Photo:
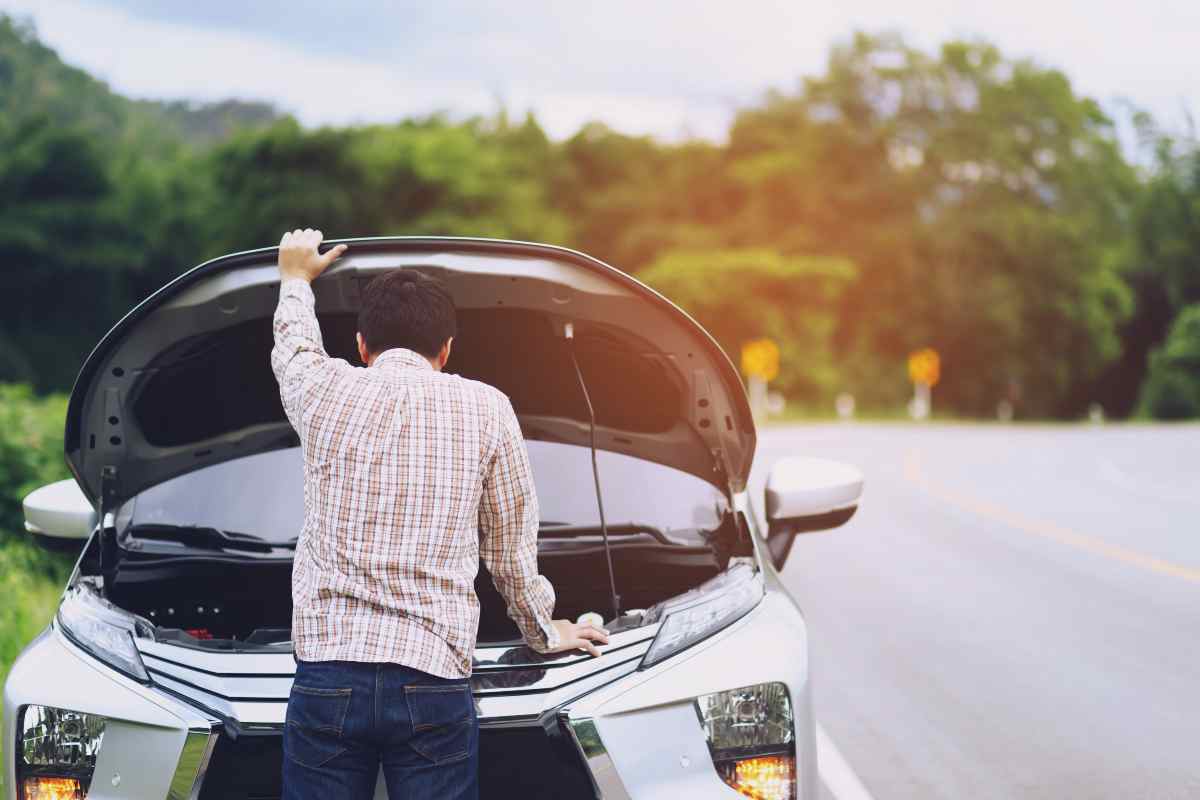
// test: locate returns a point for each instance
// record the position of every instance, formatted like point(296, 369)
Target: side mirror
point(59, 516)
point(808, 494)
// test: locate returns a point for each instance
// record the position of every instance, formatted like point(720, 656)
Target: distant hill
point(34, 81)
point(209, 122)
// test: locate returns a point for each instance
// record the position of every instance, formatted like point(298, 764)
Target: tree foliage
point(1163, 272)
point(1172, 388)
point(419, 177)
point(740, 295)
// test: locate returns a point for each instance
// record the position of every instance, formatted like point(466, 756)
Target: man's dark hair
point(405, 308)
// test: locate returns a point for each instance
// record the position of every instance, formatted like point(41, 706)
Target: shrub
point(1172, 387)
point(30, 597)
point(31, 452)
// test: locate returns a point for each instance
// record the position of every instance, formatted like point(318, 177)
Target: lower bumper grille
point(513, 762)
point(530, 764)
point(249, 767)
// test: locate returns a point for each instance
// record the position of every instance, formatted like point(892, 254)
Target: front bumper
point(153, 746)
point(210, 725)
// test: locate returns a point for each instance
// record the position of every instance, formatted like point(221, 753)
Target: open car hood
point(184, 380)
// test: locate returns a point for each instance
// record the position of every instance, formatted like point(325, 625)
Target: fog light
point(56, 752)
point(751, 739)
point(52, 789)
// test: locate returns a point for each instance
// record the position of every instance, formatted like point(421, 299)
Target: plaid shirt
point(410, 477)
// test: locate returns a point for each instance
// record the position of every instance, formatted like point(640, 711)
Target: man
point(411, 476)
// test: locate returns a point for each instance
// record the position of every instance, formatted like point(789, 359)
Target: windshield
point(263, 494)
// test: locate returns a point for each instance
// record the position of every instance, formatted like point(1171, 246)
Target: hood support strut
point(109, 492)
point(569, 334)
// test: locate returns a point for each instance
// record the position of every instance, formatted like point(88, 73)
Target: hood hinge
point(109, 487)
point(720, 465)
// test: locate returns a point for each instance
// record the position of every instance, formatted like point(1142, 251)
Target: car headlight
point(104, 630)
point(56, 752)
point(700, 613)
point(751, 739)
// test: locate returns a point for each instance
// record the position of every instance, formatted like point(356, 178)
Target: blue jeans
point(346, 719)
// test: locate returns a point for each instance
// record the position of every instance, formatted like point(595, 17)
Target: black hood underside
point(184, 381)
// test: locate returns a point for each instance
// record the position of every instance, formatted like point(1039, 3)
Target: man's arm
point(299, 358)
point(508, 530)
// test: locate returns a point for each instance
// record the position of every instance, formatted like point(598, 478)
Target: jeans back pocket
point(443, 720)
point(315, 721)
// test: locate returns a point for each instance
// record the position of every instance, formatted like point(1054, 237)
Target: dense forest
point(956, 199)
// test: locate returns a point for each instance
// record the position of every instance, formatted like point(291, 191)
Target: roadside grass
point(30, 589)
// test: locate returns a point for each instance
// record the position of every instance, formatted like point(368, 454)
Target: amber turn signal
point(51, 789)
point(763, 777)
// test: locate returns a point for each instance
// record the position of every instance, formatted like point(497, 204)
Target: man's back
point(410, 476)
point(395, 459)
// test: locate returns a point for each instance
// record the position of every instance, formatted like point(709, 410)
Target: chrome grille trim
point(600, 765)
point(193, 765)
point(510, 684)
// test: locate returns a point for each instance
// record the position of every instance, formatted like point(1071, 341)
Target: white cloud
point(666, 68)
point(150, 59)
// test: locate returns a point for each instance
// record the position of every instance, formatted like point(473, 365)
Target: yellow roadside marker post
point(760, 364)
point(924, 370)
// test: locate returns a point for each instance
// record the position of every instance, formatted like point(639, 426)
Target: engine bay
point(206, 558)
point(244, 603)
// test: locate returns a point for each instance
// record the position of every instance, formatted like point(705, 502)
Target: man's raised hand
point(577, 636)
point(298, 256)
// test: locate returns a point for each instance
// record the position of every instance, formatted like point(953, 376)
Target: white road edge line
point(836, 774)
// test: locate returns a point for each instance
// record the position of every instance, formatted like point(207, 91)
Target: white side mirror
point(60, 511)
point(799, 488)
point(808, 494)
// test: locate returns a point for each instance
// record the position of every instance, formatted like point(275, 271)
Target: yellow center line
point(915, 474)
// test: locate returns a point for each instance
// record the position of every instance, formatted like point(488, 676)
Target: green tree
point(1168, 220)
point(739, 295)
point(419, 177)
point(58, 279)
point(982, 199)
point(630, 198)
point(1163, 271)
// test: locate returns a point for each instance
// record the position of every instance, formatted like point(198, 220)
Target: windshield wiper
point(207, 538)
point(564, 531)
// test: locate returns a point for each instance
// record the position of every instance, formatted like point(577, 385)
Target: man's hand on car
point(578, 636)
point(298, 256)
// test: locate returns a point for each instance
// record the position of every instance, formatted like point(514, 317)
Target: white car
point(166, 672)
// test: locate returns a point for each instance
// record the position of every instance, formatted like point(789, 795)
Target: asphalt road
point(1014, 612)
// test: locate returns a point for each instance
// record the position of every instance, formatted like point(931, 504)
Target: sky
point(669, 68)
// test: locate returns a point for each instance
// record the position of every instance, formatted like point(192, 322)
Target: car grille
point(513, 690)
